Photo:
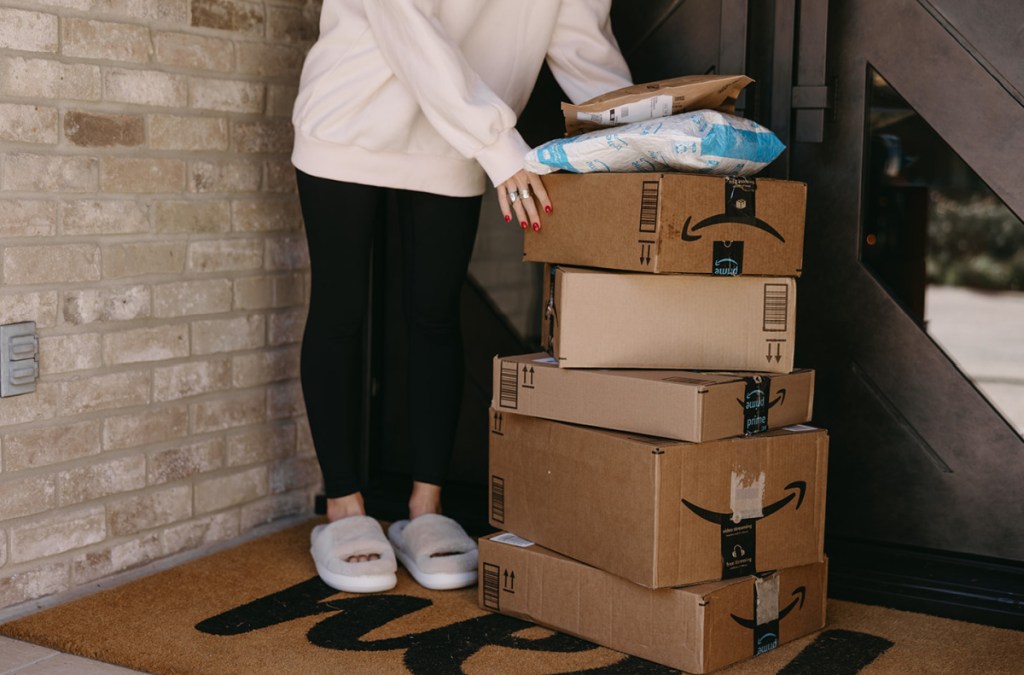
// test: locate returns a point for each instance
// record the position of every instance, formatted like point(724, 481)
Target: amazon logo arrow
point(752, 221)
point(724, 519)
point(751, 624)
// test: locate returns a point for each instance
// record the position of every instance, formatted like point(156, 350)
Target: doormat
point(260, 608)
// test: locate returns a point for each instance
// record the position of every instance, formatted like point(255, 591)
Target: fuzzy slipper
point(436, 550)
point(334, 543)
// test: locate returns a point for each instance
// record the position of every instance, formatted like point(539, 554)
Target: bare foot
point(343, 507)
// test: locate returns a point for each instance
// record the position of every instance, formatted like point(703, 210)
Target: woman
point(417, 98)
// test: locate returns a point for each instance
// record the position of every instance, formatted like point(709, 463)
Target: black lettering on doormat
point(837, 652)
point(444, 650)
point(440, 651)
point(739, 556)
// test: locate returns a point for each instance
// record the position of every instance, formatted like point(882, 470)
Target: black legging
point(437, 235)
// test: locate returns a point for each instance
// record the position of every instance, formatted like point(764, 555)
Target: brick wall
point(148, 225)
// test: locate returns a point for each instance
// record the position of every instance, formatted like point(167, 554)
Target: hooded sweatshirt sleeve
point(584, 56)
point(456, 102)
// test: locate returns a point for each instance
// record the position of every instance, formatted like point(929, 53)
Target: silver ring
point(513, 195)
point(524, 193)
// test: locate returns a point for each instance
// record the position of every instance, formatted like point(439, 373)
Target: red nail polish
point(547, 209)
point(508, 219)
point(523, 223)
point(536, 227)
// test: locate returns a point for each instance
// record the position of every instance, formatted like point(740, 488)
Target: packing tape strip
point(746, 496)
point(766, 590)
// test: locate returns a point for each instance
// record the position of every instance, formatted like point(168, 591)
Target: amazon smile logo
point(739, 538)
point(689, 233)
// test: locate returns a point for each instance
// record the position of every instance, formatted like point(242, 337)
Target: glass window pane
point(946, 247)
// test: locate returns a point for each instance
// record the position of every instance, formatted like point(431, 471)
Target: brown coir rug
point(260, 608)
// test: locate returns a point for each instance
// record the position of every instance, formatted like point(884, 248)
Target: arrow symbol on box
point(777, 355)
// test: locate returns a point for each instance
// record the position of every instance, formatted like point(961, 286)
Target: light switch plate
point(19, 358)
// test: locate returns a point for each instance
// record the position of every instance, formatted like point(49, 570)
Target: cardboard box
point(601, 319)
point(682, 404)
point(696, 629)
point(660, 512)
point(672, 222)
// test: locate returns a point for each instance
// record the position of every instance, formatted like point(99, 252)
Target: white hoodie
point(424, 94)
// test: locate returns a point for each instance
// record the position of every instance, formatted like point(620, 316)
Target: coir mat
point(260, 608)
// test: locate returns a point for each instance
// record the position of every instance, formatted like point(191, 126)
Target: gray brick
point(190, 298)
point(28, 123)
point(146, 344)
point(277, 506)
point(227, 176)
point(51, 264)
point(145, 87)
point(27, 218)
point(269, 60)
point(195, 52)
point(201, 532)
point(199, 217)
point(57, 533)
point(39, 405)
point(105, 392)
point(143, 258)
point(138, 513)
point(69, 353)
point(105, 217)
point(293, 473)
point(229, 15)
point(26, 496)
point(105, 40)
point(221, 492)
point(286, 253)
point(120, 557)
point(263, 136)
point(266, 215)
point(28, 31)
point(49, 173)
point(185, 461)
point(284, 400)
point(225, 255)
point(269, 442)
point(193, 378)
point(188, 132)
point(106, 304)
point(44, 78)
point(152, 425)
point(237, 96)
point(93, 481)
point(264, 367)
point(32, 584)
point(286, 327)
point(226, 412)
point(50, 445)
point(228, 335)
point(40, 306)
point(137, 174)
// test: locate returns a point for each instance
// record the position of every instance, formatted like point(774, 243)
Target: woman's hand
point(519, 198)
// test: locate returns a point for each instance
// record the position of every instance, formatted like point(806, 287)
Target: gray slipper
point(333, 544)
point(436, 550)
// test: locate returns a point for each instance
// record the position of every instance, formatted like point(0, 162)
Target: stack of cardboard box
point(658, 492)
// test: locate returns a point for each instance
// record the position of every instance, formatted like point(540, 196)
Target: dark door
point(905, 119)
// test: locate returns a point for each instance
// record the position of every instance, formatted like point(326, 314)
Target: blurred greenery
point(974, 241)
